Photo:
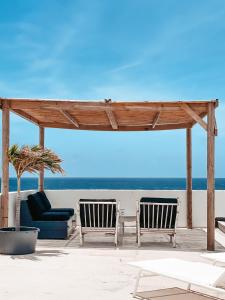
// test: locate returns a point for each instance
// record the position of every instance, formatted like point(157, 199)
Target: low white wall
point(128, 198)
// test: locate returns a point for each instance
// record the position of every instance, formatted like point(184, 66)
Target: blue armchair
point(53, 223)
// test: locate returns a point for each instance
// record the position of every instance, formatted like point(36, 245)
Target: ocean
point(60, 183)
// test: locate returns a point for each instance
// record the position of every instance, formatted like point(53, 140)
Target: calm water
point(115, 183)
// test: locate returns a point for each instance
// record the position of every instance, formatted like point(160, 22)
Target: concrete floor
point(96, 271)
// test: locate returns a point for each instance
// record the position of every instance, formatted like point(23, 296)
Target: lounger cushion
point(97, 214)
point(54, 216)
point(159, 217)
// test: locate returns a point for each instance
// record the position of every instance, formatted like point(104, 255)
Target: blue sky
point(123, 50)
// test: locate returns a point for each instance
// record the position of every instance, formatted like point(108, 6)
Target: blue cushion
point(54, 216)
point(151, 216)
point(48, 206)
point(158, 200)
point(219, 219)
point(68, 210)
point(36, 205)
point(45, 200)
point(98, 214)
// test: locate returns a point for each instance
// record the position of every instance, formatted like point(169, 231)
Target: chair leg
point(116, 239)
point(81, 238)
point(116, 234)
point(121, 231)
point(136, 233)
point(139, 238)
point(72, 237)
point(137, 283)
point(123, 228)
point(174, 241)
point(138, 230)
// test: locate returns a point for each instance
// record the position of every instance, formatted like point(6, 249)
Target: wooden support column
point(189, 177)
point(5, 164)
point(211, 178)
point(42, 144)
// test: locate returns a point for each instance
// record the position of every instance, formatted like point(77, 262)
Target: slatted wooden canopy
point(117, 116)
point(107, 115)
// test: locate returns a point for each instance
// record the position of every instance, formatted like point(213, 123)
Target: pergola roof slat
point(70, 118)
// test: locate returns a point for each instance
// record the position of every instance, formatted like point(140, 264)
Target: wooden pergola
point(117, 116)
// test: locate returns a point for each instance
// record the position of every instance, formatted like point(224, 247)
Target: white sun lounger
point(193, 273)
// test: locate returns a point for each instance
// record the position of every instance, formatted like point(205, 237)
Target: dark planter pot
point(18, 242)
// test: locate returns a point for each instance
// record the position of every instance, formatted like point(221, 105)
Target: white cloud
point(127, 66)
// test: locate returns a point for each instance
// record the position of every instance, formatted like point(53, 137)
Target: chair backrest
point(45, 200)
point(36, 205)
point(158, 213)
point(98, 213)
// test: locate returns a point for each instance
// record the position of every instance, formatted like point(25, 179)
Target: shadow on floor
point(40, 253)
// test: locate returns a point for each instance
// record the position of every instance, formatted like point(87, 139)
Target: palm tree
point(31, 159)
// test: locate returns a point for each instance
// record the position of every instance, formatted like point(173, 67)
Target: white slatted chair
point(157, 215)
point(98, 215)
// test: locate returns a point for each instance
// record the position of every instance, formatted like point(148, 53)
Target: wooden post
point(41, 143)
point(210, 178)
point(5, 164)
point(189, 177)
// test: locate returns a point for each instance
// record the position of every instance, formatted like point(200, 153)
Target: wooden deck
point(187, 240)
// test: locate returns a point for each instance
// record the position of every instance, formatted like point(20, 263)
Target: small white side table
point(126, 219)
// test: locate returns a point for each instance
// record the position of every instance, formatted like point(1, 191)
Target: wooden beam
point(201, 115)
point(156, 118)
point(25, 116)
point(112, 119)
point(42, 144)
point(97, 101)
point(5, 165)
point(68, 116)
point(101, 127)
point(211, 178)
point(194, 115)
point(91, 107)
point(189, 177)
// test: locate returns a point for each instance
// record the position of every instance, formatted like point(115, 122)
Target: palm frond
point(33, 159)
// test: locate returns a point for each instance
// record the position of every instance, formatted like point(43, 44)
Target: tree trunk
point(18, 198)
